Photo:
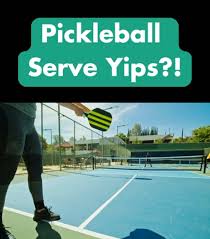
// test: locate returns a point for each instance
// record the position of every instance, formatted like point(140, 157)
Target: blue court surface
point(128, 204)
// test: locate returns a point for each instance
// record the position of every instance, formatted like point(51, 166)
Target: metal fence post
point(42, 140)
point(59, 135)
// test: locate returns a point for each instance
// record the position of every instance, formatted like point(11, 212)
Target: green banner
point(105, 52)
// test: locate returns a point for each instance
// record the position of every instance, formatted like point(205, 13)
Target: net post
point(202, 162)
point(74, 152)
point(102, 137)
point(205, 164)
point(93, 162)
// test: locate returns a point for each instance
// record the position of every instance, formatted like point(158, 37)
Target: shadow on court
point(45, 231)
point(138, 178)
point(144, 234)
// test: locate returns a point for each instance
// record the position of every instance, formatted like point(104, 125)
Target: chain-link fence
point(71, 145)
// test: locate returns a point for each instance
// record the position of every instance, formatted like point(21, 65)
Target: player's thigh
point(12, 130)
point(3, 131)
point(11, 143)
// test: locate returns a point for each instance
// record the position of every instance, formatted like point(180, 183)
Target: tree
point(71, 140)
point(188, 139)
point(43, 142)
point(159, 141)
point(201, 134)
point(83, 138)
point(145, 131)
point(154, 131)
point(136, 130)
point(128, 136)
point(56, 139)
point(137, 142)
point(123, 137)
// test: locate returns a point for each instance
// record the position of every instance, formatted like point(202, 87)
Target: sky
point(167, 117)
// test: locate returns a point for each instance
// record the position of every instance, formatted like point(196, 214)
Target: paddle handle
point(85, 114)
point(83, 107)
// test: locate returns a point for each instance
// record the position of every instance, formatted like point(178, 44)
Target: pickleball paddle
point(99, 119)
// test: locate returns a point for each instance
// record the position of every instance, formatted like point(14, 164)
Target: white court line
point(140, 175)
point(19, 212)
point(65, 226)
point(91, 217)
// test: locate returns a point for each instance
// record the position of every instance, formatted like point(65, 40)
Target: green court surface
point(25, 228)
point(169, 190)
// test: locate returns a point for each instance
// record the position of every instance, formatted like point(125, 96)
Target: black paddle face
point(99, 119)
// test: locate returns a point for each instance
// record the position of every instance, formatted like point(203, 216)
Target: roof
point(115, 140)
point(107, 140)
point(149, 137)
point(64, 145)
point(87, 141)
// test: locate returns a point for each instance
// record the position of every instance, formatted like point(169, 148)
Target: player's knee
point(8, 167)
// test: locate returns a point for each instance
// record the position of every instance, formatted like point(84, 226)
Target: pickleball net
point(191, 163)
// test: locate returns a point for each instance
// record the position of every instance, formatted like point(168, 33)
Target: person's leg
point(11, 147)
point(3, 139)
point(33, 160)
point(150, 163)
point(146, 162)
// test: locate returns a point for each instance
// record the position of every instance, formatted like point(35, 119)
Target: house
point(91, 144)
point(65, 145)
point(150, 139)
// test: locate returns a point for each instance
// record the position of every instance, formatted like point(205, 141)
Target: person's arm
point(78, 108)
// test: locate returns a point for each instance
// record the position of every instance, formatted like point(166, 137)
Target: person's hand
point(78, 111)
point(78, 108)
